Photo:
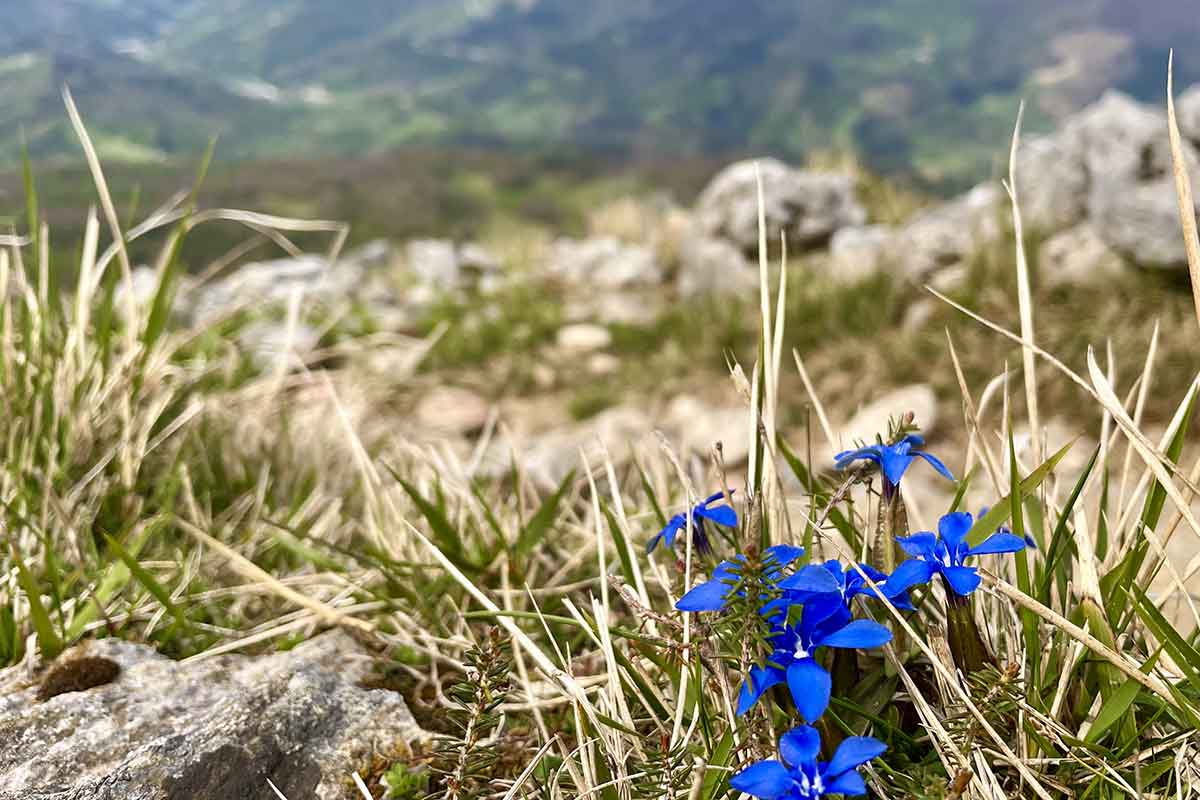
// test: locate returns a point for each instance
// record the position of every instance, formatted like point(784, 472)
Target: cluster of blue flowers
point(809, 607)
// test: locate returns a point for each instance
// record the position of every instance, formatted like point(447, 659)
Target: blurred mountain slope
point(917, 86)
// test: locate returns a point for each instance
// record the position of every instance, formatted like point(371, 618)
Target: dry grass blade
point(1083, 637)
point(1024, 300)
point(1183, 188)
point(256, 573)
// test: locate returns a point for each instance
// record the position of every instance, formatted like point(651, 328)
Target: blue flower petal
point(854, 751)
point(919, 545)
point(811, 686)
point(757, 682)
point(913, 572)
point(954, 528)
point(668, 533)
point(963, 580)
point(784, 554)
point(913, 440)
point(708, 596)
point(714, 496)
point(847, 457)
point(998, 543)
point(722, 515)
point(936, 463)
point(850, 784)
point(895, 462)
point(800, 745)
point(861, 634)
point(766, 779)
point(812, 578)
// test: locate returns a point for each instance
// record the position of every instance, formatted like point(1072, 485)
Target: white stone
point(582, 337)
point(453, 410)
point(872, 418)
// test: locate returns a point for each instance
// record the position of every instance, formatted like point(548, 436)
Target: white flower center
point(801, 653)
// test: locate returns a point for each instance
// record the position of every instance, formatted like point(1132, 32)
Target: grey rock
point(603, 262)
point(1187, 114)
point(478, 260)
point(708, 264)
point(859, 252)
point(547, 457)
point(434, 262)
point(872, 418)
point(697, 426)
point(1077, 256)
point(582, 337)
point(1141, 222)
point(807, 206)
point(1052, 184)
point(1119, 139)
point(267, 283)
point(372, 255)
point(206, 730)
point(268, 342)
point(453, 410)
point(949, 233)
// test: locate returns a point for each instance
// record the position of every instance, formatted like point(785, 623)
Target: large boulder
point(1111, 165)
point(118, 721)
point(1141, 222)
point(807, 206)
point(1077, 256)
point(1187, 114)
point(1052, 184)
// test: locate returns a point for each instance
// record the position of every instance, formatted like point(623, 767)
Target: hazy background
point(923, 88)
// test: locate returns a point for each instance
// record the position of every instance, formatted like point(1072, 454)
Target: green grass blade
point(986, 525)
point(535, 530)
point(48, 638)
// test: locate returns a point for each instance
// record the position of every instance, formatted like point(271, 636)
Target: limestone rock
point(807, 206)
point(453, 410)
point(872, 418)
point(860, 252)
point(1187, 114)
point(604, 262)
point(582, 337)
point(547, 457)
point(1077, 256)
point(1052, 182)
point(1141, 222)
point(698, 426)
point(204, 730)
point(708, 264)
point(434, 262)
point(949, 233)
point(267, 283)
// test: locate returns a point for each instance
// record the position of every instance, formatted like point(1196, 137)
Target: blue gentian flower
point(722, 515)
point(944, 554)
point(713, 594)
point(893, 459)
point(800, 776)
point(831, 582)
point(792, 661)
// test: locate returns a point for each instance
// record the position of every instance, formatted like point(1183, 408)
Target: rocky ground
point(530, 356)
